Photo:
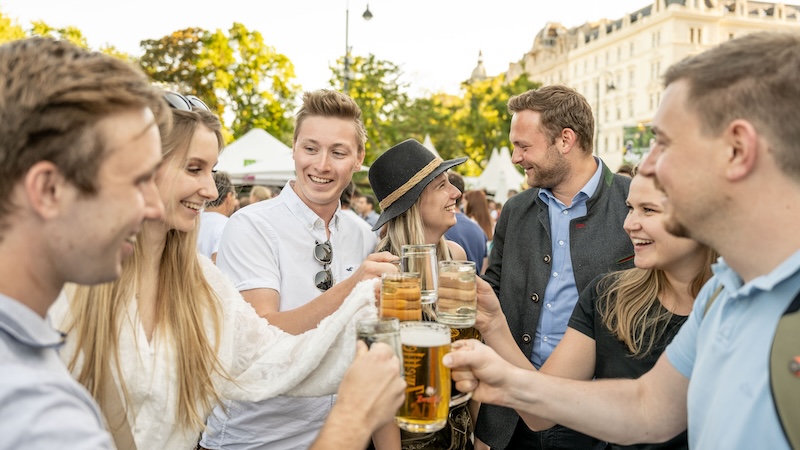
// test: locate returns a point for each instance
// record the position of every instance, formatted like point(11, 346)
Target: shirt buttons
point(545, 339)
point(561, 243)
point(555, 274)
point(535, 297)
point(526, 338)
point(565, 212)
point(549, 306)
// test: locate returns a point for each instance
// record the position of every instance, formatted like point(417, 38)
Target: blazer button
point(546, 259)
point(526, 338)
point(535, 297)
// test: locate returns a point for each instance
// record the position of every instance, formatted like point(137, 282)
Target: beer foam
point(422, 337)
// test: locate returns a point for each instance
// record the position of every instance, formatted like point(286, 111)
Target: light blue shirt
point(41, 405)
point(561, 294)
point(725, 355)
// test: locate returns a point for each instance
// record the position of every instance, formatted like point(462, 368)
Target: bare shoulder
point(456, 251)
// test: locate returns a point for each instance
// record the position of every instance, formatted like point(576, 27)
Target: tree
point(70, 33)
point(10, 29)
point(378, 89)
point(234, 73)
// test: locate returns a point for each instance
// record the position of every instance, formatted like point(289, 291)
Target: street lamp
point(367, 15)
point(608, 77)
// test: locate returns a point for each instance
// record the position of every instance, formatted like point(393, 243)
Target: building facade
point(617, 64)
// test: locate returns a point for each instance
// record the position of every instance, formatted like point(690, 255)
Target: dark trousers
point(556, 438)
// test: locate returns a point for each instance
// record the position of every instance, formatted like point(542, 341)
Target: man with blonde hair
point(79, 147)
point(295, 258)
point(727, 155)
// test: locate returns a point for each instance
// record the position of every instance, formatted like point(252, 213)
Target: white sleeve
point(264, 361)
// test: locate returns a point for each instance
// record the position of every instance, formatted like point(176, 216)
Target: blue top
point(41, 405)
point(561, 294)
point(469, 235)
point(725, 355)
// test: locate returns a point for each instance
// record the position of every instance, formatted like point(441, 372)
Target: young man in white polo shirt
point(295, 258)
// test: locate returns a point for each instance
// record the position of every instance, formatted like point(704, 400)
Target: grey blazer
point(519, 268)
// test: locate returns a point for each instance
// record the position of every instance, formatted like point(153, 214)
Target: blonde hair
point(185, 303)
point(260, 193)
point(327, 103)
point(407, 228)
point(630, 308)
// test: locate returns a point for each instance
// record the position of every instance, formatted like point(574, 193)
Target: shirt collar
point(25, 326)
point(733, 282)
point(587, 191)
point(307, 217)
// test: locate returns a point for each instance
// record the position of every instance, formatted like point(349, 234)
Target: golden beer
point(457, 304)
point(400, 296)
point(428, 380)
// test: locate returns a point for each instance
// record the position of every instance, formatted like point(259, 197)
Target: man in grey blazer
point(550, 242)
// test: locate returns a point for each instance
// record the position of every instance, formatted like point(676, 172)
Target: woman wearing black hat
point(418, 206)
point(416, 199)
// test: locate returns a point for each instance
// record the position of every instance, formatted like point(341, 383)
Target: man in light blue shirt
point(727, 156)
point(79, 148)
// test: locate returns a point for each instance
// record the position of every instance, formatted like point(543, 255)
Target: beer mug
point(381, 329)
point(428, 380)
point(457, 305)
point(400, 296)
point(422, 259)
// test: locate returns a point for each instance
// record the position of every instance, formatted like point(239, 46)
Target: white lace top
point(263, 360)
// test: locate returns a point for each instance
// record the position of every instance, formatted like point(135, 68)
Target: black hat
point(399, 176)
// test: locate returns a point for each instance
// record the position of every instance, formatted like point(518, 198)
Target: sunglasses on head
point(323, 253)
point(184, 103)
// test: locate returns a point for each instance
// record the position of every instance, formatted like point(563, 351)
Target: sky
point(435, 42)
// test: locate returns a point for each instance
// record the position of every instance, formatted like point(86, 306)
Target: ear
point(566, 140)
point(743, 144)
point(359, 161)
point(46, 189)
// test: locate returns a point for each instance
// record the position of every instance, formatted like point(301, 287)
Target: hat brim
point(402, 204)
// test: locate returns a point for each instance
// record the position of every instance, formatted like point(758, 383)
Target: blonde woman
point(623, 320)
point(164, 344)
point(418, 205)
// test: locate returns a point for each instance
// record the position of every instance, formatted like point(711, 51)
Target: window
point(630, 107)
point(632, 46)
point(632, 78)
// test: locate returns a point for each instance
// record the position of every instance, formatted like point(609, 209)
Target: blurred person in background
point(215, 215)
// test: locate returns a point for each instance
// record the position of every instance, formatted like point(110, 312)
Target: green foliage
point(235, 73)
point(70, 33)
point(10, 29)
point(377, 88)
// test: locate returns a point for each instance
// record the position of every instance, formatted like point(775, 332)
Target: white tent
point(500, 175)
point(257, 158)
point(427, 143)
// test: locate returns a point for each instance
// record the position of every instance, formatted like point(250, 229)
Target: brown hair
point(327, 103)
point(52, 94)
point(560, 107)
point(478, 210)
point(753, 77)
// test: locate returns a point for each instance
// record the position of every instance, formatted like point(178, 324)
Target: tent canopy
point(500, 175)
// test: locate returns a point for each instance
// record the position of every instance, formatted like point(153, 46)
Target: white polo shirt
point(270, 244)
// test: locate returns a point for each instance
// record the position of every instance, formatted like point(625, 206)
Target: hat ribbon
point(399, 192)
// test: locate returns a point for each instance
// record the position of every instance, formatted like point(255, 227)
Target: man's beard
point(553, 172)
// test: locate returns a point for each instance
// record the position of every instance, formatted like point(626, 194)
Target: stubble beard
point(552, 174)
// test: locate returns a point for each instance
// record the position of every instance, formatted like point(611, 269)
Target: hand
point(372, 390)
point(476, 368)
point(375, 265)
point(490, 314)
